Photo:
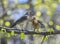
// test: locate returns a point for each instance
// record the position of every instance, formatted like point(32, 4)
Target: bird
point(20, 16)
point(37, 24)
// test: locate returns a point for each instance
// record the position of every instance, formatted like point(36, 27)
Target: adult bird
point(19, 16)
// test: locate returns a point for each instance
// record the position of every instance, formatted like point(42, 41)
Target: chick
point(37, 24)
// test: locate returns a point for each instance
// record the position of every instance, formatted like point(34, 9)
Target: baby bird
point(37, 24)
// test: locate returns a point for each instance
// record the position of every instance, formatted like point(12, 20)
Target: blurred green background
point(46, 11)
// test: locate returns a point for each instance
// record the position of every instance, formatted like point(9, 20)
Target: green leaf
point(22, 35)
point(3, 30)
point(45, 38)
point(8, 35)
point(12, 33)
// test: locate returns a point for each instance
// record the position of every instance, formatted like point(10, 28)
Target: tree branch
point(18, 31)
